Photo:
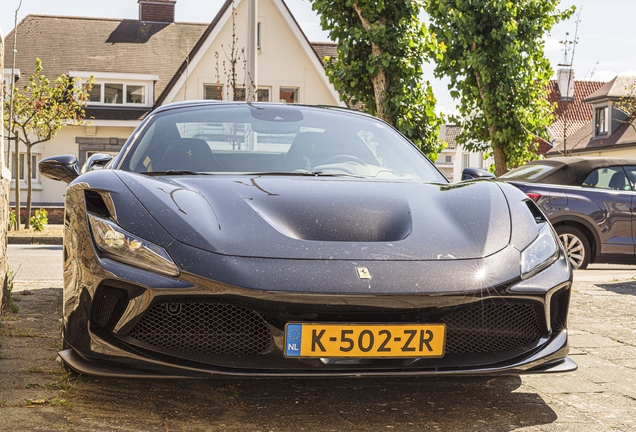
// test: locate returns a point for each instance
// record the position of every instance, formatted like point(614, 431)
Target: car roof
point(572, 171)
point(210, 102)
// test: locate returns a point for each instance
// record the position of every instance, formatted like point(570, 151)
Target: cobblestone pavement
point(600, 396)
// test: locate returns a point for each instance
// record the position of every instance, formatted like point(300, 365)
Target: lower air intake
point(491, 328)
point(203, 328)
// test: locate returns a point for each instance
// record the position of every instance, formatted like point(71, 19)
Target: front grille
point(217, 328)
point(203, 328)
point(491, 328)
point(105, 304)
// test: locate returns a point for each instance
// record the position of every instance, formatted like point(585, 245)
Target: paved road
point(35, 262)
point(600, 396)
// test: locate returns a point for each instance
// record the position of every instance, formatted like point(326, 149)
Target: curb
point(34, 240)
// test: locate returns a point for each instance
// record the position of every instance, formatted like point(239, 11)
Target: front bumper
point(103, 316)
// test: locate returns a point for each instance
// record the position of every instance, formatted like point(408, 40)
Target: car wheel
point(577, 246)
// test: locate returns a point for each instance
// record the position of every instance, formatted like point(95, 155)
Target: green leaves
point(493, 56)
point(381, 48)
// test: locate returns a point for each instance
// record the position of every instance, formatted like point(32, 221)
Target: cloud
point(551, 45)
point(601, 75)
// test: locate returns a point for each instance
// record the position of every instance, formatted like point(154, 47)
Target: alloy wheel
point(574, 249)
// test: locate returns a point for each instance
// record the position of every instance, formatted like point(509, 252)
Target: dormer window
point(601, 121)
point(119, 89)
point(110, 93)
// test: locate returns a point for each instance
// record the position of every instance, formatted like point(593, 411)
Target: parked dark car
point(589, 201)
point(315, 242)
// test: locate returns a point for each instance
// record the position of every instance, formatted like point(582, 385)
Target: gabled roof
point(221, 18)
point(619, 87)
point(583, 140)
point(571, 115)
point(325, 49)
point(452, 131)
point(67, 44)
point(82, 44)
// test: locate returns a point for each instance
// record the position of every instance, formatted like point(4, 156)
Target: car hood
point(327, 218)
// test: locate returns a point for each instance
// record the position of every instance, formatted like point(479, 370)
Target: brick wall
point(56, 214)
point(156, 11)
point(4, 195)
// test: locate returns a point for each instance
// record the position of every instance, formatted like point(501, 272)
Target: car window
point(527, 172)
point(631, 174)
point(613, 178)
point(264, 139)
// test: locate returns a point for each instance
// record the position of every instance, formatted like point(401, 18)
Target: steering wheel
point(344, 158)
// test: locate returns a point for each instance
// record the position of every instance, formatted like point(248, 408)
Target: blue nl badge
point(292, 340)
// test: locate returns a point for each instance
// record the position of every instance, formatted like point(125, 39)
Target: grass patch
point(35, 369)
point(12, 331)
point(56, 401)
point(9, 302)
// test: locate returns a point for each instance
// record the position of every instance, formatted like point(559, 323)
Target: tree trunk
point(29, 177)
point(380, 83)
point(500, 161)
point(380, 89)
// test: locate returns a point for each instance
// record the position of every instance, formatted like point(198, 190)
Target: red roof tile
point(571, 115)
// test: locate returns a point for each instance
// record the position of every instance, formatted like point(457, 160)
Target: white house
point(454, 157)
point(141, 64)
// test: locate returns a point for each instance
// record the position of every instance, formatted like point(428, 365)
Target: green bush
point(12, 219)
point(39, 220)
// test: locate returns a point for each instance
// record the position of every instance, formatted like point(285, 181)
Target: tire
point(577, 246)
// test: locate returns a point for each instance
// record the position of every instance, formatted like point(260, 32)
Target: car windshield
point(527, 172)
point(274, 140)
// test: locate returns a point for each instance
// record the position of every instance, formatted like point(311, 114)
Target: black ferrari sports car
point(286, 240)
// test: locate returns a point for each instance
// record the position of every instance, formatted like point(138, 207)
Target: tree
point(627, 104)
point(495, 62)
point(40, 110)
point(381, 47)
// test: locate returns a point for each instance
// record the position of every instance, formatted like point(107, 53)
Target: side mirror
point(62, 168)
point(476, 173)
point(96, 161)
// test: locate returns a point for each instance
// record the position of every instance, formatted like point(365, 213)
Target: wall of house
point(282, 61)
point(4, 193)
point(624, 152)
point(51, 192)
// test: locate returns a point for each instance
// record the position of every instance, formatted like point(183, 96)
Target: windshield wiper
point(171, 172)
point(304, 174)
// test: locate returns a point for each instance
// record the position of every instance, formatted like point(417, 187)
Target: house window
point(601, 121)
point(449, 159)
point(258, 36)
point(289, 95)
point(262, 94)
point(213, 91)
point(465, 160)
point(22, 166)
point(109, 93)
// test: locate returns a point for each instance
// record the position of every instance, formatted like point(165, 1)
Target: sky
point(606, 33)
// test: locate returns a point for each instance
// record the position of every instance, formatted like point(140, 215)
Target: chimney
point(565, 81)
point(160, 11)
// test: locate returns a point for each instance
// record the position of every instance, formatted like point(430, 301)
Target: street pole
point(16, 162)
point(250, 79)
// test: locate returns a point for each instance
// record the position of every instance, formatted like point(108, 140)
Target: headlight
point(542, 252)
point(120, 245)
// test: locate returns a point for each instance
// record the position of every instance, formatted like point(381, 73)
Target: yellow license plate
point(364, 340)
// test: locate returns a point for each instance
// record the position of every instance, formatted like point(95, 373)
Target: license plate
point(364, 340)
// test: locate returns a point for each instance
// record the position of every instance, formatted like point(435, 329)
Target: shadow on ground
point(487, 404)
point(620, 287)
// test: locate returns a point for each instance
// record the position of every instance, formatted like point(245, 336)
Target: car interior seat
point(618, 181)
point(188, 154)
